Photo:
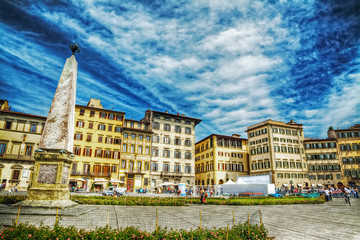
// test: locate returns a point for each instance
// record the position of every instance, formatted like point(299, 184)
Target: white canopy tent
point(116, 181)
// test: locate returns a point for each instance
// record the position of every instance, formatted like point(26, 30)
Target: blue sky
point(230, 63)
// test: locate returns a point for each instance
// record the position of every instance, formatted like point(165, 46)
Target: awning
point(285, 185)
point(100, 180)
point(116, 181)
point(313, 185)
point(319, 184)
point(300, 185)
point(78, 179)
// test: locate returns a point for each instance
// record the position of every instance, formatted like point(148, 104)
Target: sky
point(230, 63)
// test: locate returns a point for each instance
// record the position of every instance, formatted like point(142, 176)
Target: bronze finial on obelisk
point(53, 159)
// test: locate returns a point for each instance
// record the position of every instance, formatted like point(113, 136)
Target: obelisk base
point(49, 187)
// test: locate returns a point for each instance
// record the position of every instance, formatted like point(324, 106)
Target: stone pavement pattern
point(332, 220)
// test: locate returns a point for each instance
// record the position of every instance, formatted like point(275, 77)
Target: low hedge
point(176, 201)
point(25, 231)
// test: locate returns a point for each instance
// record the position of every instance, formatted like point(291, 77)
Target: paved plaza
point(332, 220)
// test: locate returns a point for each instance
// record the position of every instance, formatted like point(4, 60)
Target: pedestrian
point(347, 192)
point(202, 195)
point(327, 194)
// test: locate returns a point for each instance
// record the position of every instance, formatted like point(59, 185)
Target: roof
point(223, 136)
point(99, 109)
point(276, 123)
point(197, 120)
point(22, 114)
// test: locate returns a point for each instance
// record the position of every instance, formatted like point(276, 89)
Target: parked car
point(108, 193)
point(120, 191)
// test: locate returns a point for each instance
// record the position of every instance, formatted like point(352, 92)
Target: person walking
point(202, 195)
point(327, 194)
point(347, 193)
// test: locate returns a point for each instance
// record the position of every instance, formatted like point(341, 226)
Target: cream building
point(136, 153)
point(20, 135)
point(220, 158)
point(276, 148)
point(173, 147)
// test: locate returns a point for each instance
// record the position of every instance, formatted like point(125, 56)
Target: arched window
point(221, 181)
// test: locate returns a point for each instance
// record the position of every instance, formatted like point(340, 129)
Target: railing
point(18, 157)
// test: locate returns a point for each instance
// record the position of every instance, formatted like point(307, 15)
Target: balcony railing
point(18, 157)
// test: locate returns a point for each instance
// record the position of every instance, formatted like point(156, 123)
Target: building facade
point(323, 162)
point(97, 146)
point(173, 147)
point(20, 135)
point(219, 158)
point(136, 155)
point(276, 148)
point(348, 145)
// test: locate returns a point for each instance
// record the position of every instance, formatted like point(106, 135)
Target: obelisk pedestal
point(53, 159)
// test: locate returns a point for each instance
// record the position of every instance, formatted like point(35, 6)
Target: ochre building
point(220, 158)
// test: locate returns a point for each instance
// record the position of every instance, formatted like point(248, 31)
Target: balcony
point(17, 157)
point(90, 174)
point(171, 174)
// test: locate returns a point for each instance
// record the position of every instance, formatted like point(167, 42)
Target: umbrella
point(166, 184)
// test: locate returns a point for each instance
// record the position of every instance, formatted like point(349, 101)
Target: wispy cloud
point(231, 63)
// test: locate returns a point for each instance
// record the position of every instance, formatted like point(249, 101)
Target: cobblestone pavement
point(332, 220)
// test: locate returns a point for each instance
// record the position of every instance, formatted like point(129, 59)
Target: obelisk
point(54, 157)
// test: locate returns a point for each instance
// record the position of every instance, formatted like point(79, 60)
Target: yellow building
point(348, 144)
point(323, 162)
point(219, 158)
point(97, 146)
point(276, 148)
point(20, 135)
point(136, 152)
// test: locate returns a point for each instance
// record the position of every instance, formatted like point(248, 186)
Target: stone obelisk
point(54, 157)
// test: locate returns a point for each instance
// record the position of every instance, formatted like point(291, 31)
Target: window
point(146, 166)
point(188, 130)
point(177, 141)
point(8, 125)
point(147, 150)
point(126, 135)
point(187, 155)
point(77, 151)
point(98, 153)
point(92, 113)
point(15, 175)
point(111, 116)
point(131, 166)
point(124, 149)
point(188, 142)
point(87, 152)
point(108, 140)
point(167, 139)
point(102, 115)
point(119, 117)
point(177, 168)
point(78, 136)
point(117, 141)
point(154, 167)
point(88, 138)
point(28, 150)
point(132, 148)
point(123, 164)
point(177, 154)
point(141, 137)
point(82, 111)
point(148, 138)
point(166, 167)
point(100, 139)
point(178, 129)
point(2, 149)
point(138, 166)
point(155, 152)
point(91, 125)
point(110, 127)
point(102, 127)
point(187, 168)
point(133, 136)
point(140, 149)
point(167, 127)
point(117, 129)
point(33, 128)
point(166, 153)
point(156, 125)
